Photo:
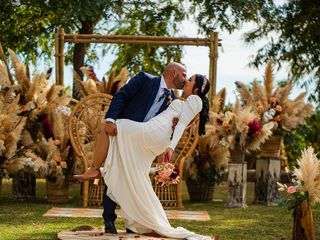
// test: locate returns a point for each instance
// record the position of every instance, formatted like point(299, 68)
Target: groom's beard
point(177, 83)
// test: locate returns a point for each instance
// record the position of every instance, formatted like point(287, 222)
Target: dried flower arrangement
point(93, 85)
point(37, 104)
point(305, 183)
point(274, 105)
point(303, 192)
point(11, 126)
point(239, 127)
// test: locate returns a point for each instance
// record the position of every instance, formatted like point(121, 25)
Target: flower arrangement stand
point(24, 185)
point(267, 175)
point(0, 182)
point(303, 226)
point(57, 193)
point(200, 191)
point(237, 179)
point(268, 169)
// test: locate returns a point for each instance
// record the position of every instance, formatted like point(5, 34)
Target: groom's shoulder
point(147, 75)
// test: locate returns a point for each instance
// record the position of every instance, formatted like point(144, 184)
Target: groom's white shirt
point(156, 103)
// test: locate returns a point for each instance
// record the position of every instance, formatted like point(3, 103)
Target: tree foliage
point(290, 27)
point(295, 25)
point(158, 18)
point(303, 137)
point(28, 28)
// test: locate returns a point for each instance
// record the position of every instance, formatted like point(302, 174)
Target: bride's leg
point(99, 155)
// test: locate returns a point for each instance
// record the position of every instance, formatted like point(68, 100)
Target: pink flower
point(278, 108)
point(273, 100)
point(255, 127)
point(260, 109)
point(292, 189)
point(167, 174)
point(225, 124)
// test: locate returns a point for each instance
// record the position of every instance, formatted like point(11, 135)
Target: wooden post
point(303, 226)
point(59, 49)
point(213, 56)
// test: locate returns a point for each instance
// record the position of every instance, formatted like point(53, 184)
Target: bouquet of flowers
point(305, 183)
point(166, 173)
point(273, 104)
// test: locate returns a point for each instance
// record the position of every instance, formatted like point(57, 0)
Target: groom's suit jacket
point(134, 99)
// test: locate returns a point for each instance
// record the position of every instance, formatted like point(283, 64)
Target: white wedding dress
point(130, 155)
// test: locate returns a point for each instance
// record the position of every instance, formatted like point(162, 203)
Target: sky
point(232, 65)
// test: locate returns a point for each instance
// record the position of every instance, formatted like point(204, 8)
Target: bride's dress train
point(126, 171)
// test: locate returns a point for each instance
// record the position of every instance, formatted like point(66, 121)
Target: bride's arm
point(190, 108)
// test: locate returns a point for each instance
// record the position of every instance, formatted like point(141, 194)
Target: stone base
point(24, 186)
point(237, 185)
point(267, 175)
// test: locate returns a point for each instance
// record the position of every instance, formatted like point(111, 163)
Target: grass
point(24, 220)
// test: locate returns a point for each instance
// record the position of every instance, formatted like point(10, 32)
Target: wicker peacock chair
point(85, 121)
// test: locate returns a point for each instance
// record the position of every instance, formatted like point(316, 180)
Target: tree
point(297, 25)
point(28, 28)
point(291, 27)
point(303, 137)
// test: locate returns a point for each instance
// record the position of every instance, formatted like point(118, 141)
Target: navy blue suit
point(132, 101)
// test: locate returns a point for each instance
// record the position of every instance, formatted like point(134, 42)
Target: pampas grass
point(4, 76)
point(308, 174)
point(24, 104)
point(240, 126)
point(273, 104)
point(93, 85)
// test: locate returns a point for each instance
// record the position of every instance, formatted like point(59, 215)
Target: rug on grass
point(97, 213)
point(97, 234)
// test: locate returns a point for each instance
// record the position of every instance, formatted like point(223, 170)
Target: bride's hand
point(168, 154)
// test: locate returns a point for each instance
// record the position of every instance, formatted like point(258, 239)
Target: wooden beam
point(212, 42)
point(213, 55)
point(59, 55)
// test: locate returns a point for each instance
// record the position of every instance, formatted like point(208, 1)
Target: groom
point(142, 98)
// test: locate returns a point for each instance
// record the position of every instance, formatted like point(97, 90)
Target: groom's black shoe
point(110, 228)
point(129, 231)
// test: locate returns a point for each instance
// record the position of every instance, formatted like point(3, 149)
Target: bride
point(132, 151)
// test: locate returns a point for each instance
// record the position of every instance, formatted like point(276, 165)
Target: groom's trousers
point(109, 207)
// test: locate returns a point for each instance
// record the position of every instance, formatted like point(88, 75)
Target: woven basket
point(57, 193)
point(272, 147)
point(237, 154)
point(200, 191)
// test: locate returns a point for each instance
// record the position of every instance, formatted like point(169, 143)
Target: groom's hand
point(175, 121)
point(111, 128)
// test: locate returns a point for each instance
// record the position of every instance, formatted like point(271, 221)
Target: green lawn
point(23, 220)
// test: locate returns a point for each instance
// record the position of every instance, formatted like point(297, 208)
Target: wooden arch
point(211, 41)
